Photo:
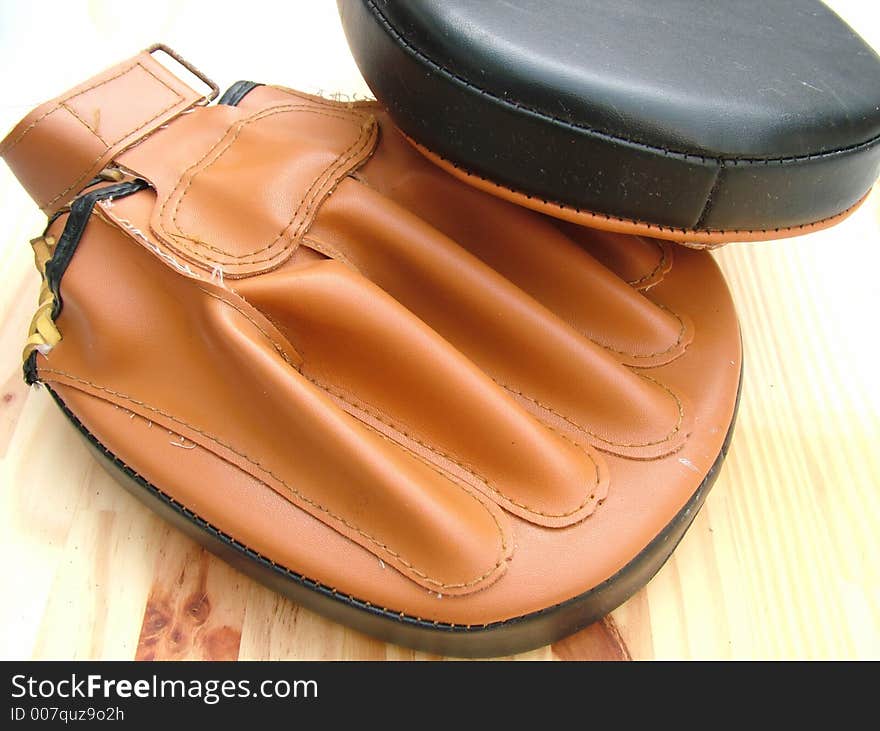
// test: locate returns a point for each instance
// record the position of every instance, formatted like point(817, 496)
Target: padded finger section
point(640, 261)
point(521, 344)
point(169, 349)
point(533, 254)
point(388, 368)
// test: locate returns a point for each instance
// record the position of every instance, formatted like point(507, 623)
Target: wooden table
point(782, 562)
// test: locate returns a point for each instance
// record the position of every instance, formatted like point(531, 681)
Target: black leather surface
point(706, 114)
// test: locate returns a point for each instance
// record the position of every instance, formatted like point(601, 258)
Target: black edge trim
point(30, 369)
point(506, 637)
point(238, 91)
point(80, 210)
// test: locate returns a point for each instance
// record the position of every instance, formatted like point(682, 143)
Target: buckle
point(200, 75)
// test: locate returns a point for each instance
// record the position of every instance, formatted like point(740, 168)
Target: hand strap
point(60, 146)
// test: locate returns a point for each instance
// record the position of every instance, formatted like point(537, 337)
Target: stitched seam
point(166, 85)
point(334, 254)
point(319, 100)
point(636, 221)
point(275, 344)
point(351, 152)
point(173, 104)
point(253, 322)
point(710, 198)
point(110, 150)
point(669, 152)
point(327, 250)
point(293, 490)
point(39, 119)
point(363, 138)
point(586, 431)
point(664, 258)
point(255, 118)
point(76, 182)
point(85, 124)
point(366, 408)
point(451, 478)
point(309, 583)
point(316, 199)
point(275, 323)
point(676, 344)
point(339, 393)
point(62, 105)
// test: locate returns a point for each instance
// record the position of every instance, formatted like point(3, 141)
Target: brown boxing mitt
point(424, 411)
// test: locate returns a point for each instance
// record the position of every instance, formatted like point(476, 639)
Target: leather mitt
point(698, 121)
point(424, 411)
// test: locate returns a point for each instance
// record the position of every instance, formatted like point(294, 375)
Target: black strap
point(80, 210)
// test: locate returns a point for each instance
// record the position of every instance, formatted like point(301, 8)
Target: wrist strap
point(61, 145)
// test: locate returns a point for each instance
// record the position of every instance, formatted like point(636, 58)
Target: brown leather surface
point(397, 385)
point(62, 144)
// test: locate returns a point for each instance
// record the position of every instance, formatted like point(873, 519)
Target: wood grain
point(196, 605)
point(782, 562)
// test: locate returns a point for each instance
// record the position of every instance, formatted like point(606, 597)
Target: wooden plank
point(196, 604)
